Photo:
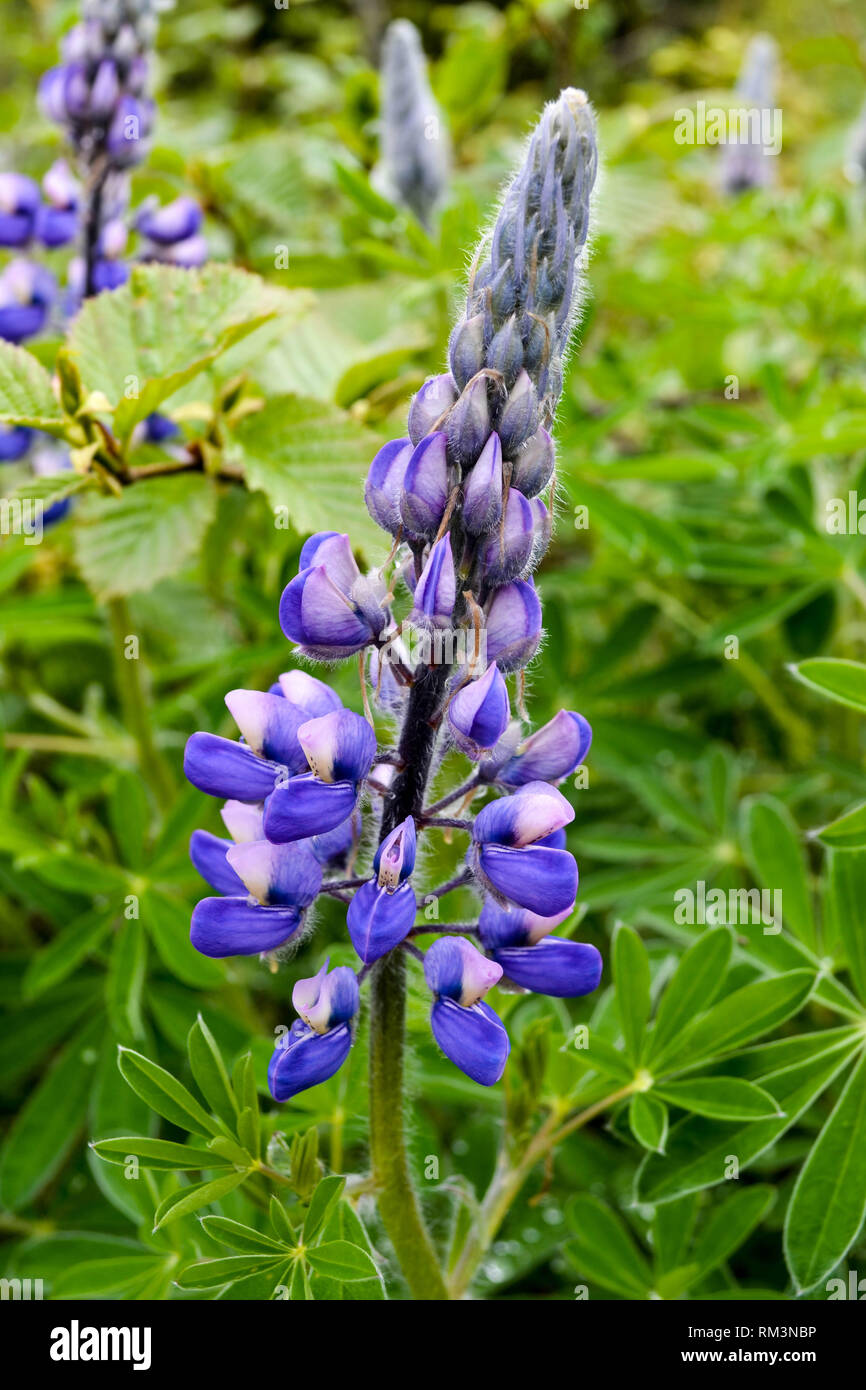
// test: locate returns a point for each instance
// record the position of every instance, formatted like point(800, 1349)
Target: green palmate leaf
point(158, 1153)
point(692, 989)
point(730, 1224)
point(127, 543)
point(632, 979)
point(164, 1093)
point(742, 1016)
point(842, 681)
point(648, 1118)
point(721, 1097)
point(322, 1203)
point(703, 1152)
point(846, 832)
point(778, 862)
point(26, 395)
point(162, 328)
point(46, 1127)
point(846, 907)
point(600, 1055)
point(828, 1204)
point(189, 1199)
point(311, 460)
point(211, 1274)
point(210, 1074)
point(603, 1251)
point(342, 1260)
point(69, 948)
point(239, 1237)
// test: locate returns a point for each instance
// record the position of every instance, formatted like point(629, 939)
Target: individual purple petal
point(339, 746)
point(309, 1059)
point(542, 880)
point(436, 588)
point(507, 550)
point(324, 1001)
point(425, 488)
point(208, 854)
point(533, 464)
point(243, 822)
point(395, 858)
point(560, 968)
point(304, 807)
point(310, 694)
point(283, 875)
point(513, 625)
point(269, 724)
point(478, 714)
point(551, 753)
point(236, 927)
point(557, 839)
point(531, 813)
point(384, 485)
point(333, 550)
point(230, 770)
point(428, 407)
point(455, 969)
point(482, 490)
point(514, 926)
point(323, 620)
point(474, 1039)
point(378, 920)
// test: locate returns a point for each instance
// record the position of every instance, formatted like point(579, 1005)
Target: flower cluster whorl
point(460, 498)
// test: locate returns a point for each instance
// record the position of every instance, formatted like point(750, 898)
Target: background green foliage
point(706, 522)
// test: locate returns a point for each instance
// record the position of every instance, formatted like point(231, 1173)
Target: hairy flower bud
point(415, 156)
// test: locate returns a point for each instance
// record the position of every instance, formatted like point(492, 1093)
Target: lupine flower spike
point(748, 162)
point(415, 150)
point(459, 498)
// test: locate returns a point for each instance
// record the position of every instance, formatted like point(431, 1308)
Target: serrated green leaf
point(126, 544)
point(26, 395)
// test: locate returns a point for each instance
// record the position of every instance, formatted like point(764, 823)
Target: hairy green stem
point(134, 704)
point(396, 1196)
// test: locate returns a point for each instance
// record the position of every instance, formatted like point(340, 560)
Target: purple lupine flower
point(57, 218)
point(552, 753)
point(521, 944)
point(415, 155)
point(19, 209)
point(27, 292)
point(747, 162)
point(382, 911)
point(479, 712)
point(172, 234)
point(460, 500)
point(436, 589)
point(467, 1029)
point(318, 1042)
point(339, 749)
point(15, 440)
point(330, 609)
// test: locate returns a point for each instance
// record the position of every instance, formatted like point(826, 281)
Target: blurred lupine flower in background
point(99, 97)
point(746, 162)
point(459, 499)
point(415, 159)
point(855, 154)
